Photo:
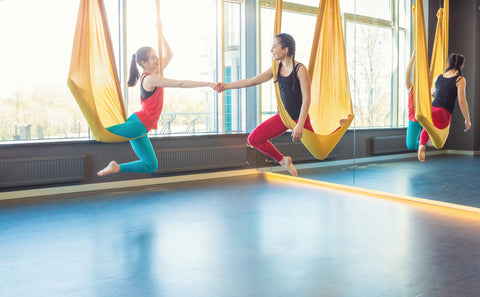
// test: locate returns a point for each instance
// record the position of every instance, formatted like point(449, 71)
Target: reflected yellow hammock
point(423, 80)
point(93, 78)
point(330, 91)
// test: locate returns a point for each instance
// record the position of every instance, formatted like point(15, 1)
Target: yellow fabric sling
point(422, 79)
point(93, 78)
point(330, 91)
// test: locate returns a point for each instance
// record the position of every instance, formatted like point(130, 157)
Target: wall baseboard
point(52, 191)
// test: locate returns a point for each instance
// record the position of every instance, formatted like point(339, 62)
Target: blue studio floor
point(255, 235)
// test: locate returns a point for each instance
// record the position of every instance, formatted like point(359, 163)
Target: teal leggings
point(142, 146)
point(413, 134)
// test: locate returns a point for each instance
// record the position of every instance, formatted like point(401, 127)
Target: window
point(370, 70)
point(378, 47)
point(35, 102)
point(193, 43)
point(234, 69)
point(301, 26)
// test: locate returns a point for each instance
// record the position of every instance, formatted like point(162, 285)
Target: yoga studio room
point(239, 148)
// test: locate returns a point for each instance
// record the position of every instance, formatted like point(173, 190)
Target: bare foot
point(287, 163)
point(113, 167)
point(421, 153)
point(343, 122)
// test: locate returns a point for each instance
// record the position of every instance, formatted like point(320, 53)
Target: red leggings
point(271, 128)
point(441, 119)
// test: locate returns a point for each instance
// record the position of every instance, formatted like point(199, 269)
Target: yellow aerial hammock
point(93, 78)
point(330, 91)
point(423, 80)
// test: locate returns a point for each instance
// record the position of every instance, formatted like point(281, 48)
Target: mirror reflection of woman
point(448, 87)
point(414, 128)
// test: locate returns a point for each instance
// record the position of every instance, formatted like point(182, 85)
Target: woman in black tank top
point(294, 85)
point(448, 87)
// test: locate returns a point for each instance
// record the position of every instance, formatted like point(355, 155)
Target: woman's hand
point(221, 86)
point(468, 125)
point(297, 133)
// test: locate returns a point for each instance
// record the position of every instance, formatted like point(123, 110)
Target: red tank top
point(411, 107)
point(151, 106)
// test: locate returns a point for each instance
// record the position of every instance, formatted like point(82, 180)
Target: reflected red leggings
point(441, 118)
point(271, 128)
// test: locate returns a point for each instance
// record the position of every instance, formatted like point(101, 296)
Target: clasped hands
point(219, 87)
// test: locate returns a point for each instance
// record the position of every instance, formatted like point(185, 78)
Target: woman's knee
point(252, 140)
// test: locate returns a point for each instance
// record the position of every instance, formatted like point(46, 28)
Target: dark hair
point(287, 41)
point(137, 58)
point(455, 61)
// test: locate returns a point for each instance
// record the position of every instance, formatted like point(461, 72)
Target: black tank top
point(144, 93)
point(445, 92)
point(291, 95)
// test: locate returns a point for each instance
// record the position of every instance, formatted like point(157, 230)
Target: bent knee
point(254, 141)
point(412, 146)
point(152, 167)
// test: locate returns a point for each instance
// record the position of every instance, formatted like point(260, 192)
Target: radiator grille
point(388, 145)
point(202, 158)
point(299, 152)
point(39, 171)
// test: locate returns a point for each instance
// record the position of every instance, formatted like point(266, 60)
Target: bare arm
point(462, 102)
point(304, 79)
point(167, 53)
point(152, 81)
point(433, 90)
point(248, 82)
point(408, 76)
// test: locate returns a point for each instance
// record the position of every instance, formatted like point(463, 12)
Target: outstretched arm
point(304, 79)
point(408, 76)
point(152, 81)
point(247, 82)
point(462, 102)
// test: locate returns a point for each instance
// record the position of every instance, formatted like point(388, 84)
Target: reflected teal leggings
point(142, 146)
point(413, 135)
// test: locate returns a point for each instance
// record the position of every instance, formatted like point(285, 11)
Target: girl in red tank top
point(140, 123)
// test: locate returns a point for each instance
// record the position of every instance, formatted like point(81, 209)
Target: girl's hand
point(297, 133)
point(212, 85)
point(221, 86)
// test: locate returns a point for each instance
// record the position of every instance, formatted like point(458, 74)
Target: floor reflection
point(446, 178)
